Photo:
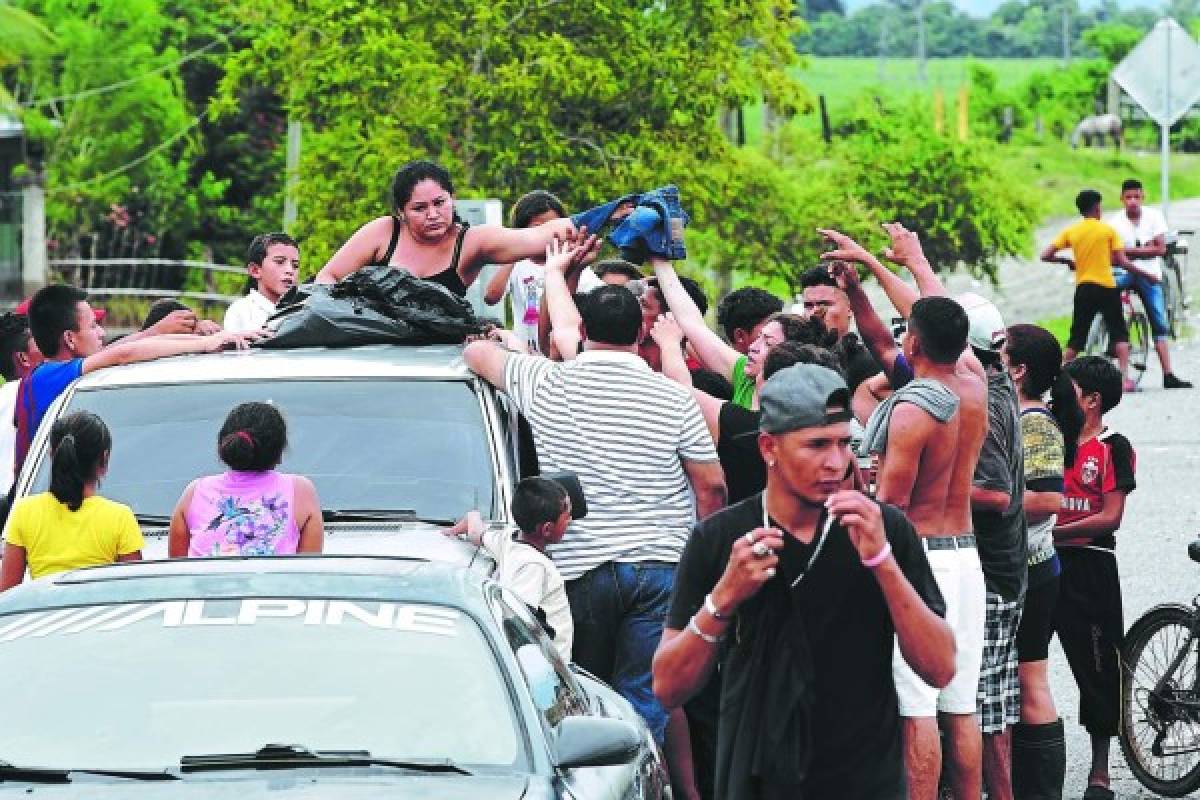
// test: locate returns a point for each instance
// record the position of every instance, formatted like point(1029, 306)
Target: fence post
point(291, 173)
point(33, 235)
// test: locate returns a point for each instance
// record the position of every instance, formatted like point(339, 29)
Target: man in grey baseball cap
point(817, 582)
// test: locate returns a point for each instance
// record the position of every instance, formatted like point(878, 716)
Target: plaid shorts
point(999, 688)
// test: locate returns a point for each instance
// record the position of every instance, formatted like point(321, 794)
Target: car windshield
point(140, 685)
point(409, 445)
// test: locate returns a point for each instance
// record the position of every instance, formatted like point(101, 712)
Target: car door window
point(551, 684)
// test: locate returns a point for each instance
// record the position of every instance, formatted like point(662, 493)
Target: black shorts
point(1037, 622)
point(1092, 299)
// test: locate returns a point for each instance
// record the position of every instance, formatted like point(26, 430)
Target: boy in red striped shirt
point(1088, 618)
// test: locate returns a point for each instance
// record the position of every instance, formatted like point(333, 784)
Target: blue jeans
point(619, 611)
point(654, 227)
point(1152, 299)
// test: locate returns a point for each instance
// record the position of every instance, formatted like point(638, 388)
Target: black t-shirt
point(855, 722)
point(1003, 536)
point(737, 448)
point(857, 361)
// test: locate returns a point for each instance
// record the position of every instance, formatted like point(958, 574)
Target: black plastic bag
point(375, 305)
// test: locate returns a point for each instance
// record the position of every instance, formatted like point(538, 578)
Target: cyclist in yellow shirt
point(70, 526)
point(1096, 247)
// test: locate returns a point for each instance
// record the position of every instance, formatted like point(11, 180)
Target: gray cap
point(800, 396)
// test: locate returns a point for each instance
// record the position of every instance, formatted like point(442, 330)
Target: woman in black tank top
point(423, 199)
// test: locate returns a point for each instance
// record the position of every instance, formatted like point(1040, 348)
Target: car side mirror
point(570, 482)
point(595, 742)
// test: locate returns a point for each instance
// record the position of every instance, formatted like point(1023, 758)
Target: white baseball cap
point(986, 329)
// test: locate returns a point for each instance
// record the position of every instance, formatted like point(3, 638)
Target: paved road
point(1161, 517)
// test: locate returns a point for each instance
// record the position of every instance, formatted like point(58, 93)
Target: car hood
point(301, 784)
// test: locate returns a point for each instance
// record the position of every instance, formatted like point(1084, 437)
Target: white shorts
point(960, 578)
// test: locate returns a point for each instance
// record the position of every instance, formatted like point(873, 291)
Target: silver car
point(398, 440)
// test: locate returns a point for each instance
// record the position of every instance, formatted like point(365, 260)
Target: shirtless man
point(932, 434)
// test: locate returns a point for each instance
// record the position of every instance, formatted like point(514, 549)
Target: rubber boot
point(1039, 761)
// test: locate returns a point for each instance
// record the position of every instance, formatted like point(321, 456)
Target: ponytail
point(1036, 349)
point(1064, 405)
point(79, 446)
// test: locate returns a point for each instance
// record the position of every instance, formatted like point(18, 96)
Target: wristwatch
point(711, 608)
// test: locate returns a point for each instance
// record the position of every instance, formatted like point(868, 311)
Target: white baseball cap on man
point(986, 329)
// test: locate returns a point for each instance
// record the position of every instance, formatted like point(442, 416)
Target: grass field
point(838, 77)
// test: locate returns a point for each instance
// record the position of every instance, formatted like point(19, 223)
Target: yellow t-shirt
point(1093, 242)
point(57, 539)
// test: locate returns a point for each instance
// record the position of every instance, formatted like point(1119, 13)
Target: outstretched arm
point(876, 335)
point(565, 321)
point(164, 346)
point(906, 251)
point(713, 351)
point(499, 245)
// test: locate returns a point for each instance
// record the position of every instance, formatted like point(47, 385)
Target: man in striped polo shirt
point(648, 468)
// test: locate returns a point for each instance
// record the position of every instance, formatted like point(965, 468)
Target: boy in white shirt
point(273, 261)
point(542, 510)
point(1144, 232)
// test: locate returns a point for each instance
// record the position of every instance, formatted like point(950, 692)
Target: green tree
point(1113, 41)
point(588, 100)
point(21, 35)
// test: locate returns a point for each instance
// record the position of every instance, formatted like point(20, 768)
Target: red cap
point(22, 309)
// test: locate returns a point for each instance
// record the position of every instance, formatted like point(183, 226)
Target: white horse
point(1097, 125)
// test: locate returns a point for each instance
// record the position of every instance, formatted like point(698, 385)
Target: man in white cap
point(997, 512)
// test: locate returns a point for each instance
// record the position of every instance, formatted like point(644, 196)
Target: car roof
point(301, 576)
point(431, 362)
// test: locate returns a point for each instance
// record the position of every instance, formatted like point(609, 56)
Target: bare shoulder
point(304, 487)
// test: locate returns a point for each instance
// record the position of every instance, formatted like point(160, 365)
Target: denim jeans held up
point(619, 610)
point(654, 227)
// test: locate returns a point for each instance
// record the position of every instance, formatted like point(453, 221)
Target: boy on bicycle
point(1088, 617)
point(1096, 247)
point(1144, 231)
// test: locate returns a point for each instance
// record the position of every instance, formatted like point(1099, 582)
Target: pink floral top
point(243, 514)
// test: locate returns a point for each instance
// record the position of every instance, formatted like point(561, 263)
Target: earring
point(771, 465)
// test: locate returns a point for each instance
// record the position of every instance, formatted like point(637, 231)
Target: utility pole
point(883, 42)
point(921, 41)
point(291, 173)
point(1066, 33)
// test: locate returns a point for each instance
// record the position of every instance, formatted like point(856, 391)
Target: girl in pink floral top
point(251, 510)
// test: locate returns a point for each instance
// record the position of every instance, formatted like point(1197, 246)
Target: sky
point(982, 8)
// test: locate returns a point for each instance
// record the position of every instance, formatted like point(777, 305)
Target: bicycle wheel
point(1139, 345)
point(1172, 298)
point(1097, 343)
point(1160, 730)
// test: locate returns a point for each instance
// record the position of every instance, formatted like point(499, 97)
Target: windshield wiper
point(297, 756)
point(11, 772)
point(377, 515)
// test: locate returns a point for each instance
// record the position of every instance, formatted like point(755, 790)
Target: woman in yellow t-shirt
point(70, 526)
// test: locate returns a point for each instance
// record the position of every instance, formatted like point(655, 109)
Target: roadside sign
point(1162, 74)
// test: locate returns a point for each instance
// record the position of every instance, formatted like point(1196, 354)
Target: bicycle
point(1160, 697)
point(1140, 339)
point(1174, 292)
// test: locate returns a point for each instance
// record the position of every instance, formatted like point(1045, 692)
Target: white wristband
point(694, 628)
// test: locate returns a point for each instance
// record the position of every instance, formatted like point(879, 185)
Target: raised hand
point(666, 332)
point(862, 519)
point(845, 275)
point(752, 562)
point(906, 245)
point(845, 248)
point(560, 254)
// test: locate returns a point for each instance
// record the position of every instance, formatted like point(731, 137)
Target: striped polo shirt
point(625, 431)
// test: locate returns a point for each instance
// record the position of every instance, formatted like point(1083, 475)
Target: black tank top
point(448, 277)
